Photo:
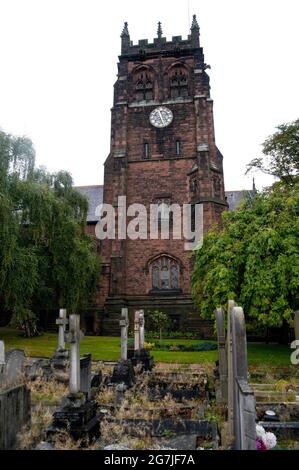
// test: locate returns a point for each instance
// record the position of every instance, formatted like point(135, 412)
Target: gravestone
point(60, 357)
point(141, 355)
point(37, 369)
point(123, 372)
point(14, 367)
point(15, 412)
point(2, 353)
point(244, 433)
point(2, 363)
point(230, 398)
point(296, 325)
point(124, 324)
point(74, 337)
point(221, 336)
point(79, 414)
point(85, 375)
point(62, 321)
point(141, 329)
point(137, 331)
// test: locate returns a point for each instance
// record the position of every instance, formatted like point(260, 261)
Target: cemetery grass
point(108, 349)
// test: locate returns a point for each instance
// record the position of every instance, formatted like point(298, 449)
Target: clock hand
point(161, 117)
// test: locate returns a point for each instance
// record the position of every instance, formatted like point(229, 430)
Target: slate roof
point(234, 198)
point(94, 195)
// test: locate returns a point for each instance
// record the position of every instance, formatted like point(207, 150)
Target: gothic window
point(178, 83)
point(144, 87)
point(165, 274)
point(178, 148)
point(145, 150)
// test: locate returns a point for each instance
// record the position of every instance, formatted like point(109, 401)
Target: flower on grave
point(260, 444)
point(270, 440)
point(264, 440)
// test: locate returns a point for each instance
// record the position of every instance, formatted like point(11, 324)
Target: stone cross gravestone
point(244, 433)
point(74, 337)
point(124, 324)
point(2, 353)
point(14, 367)
point(220, 321)
point(62, 321)
point(137, 331)
point(296, 325)
point(141, 329)
point(85, 375)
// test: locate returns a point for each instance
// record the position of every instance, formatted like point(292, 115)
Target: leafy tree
point(281, 154)
point(253, 258)
point(46, 259)
point(158, 321)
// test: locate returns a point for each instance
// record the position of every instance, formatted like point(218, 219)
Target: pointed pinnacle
point(194, 25)
point(159, 32)
point(125, 31)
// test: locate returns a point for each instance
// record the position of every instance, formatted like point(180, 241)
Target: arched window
point(144, 90)
point(178, 82)
point(164, 274)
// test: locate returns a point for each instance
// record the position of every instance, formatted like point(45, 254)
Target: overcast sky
point(59, 64)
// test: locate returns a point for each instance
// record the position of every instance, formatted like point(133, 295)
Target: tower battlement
point(160, 43)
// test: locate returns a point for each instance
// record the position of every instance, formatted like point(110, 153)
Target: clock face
point(161, 117)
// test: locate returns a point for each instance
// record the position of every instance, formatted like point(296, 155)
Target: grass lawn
point(107, 348)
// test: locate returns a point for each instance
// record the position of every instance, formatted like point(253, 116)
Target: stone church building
point(163, 149)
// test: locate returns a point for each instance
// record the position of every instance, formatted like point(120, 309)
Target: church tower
point(163, 150)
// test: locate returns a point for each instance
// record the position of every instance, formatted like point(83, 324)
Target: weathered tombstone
point(141, 329)
point(62, 321)
point(15, 412)
point(85, 375)
point(2, 363)
point(2, 353)
point(123, 372)
point(221, 336)
point(244, 432)
point(141, 355)
point(137, 331)
point(230, 397)
point(14, 367)
point(124, 324)
point(74, 337)
point(36, 369)
point(296, 325)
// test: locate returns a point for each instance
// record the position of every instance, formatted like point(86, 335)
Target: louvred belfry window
point(178, 83)
point(144, 87)
point(165, 273)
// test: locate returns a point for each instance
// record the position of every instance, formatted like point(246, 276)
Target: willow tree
point(253, 259)
point(46, 259)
